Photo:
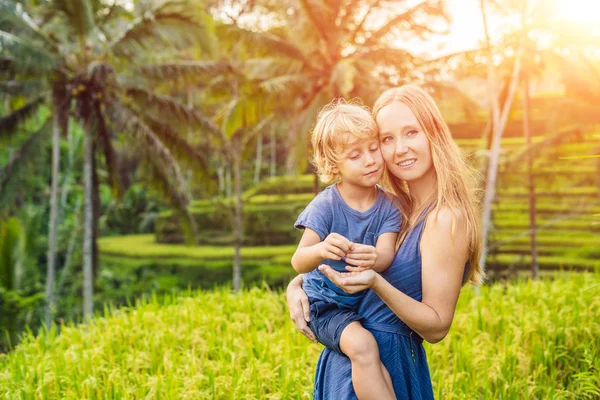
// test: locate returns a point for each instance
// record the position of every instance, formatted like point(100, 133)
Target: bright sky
point(466, 29)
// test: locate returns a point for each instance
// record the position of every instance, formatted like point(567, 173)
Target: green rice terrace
point(567, 190)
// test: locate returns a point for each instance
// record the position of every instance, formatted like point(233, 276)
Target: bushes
point(132, 266)
point(271, 223)
point(17, 311)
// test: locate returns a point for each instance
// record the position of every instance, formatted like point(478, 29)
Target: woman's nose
point(401, 147)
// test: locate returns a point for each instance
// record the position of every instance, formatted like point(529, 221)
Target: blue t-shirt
point(328, 213)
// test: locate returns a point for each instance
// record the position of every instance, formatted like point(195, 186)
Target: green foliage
point(144, 246)
point(517, 339)
point(10, 252)
point(18, 311)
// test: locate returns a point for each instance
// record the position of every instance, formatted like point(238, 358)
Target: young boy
point(352, 222)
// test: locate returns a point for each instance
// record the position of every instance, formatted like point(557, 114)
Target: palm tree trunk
point(258, 162)
point(530, 180)
point(221, 179)
point(88, 256)
point(492, 173)
point(238, 218)
point(228, 191)
point(498, 124)
point(66, 269)
point(51, 271)
point(273, 146)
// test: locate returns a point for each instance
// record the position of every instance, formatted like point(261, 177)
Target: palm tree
point(537, 21)
point(317, 50)
point(96, 74)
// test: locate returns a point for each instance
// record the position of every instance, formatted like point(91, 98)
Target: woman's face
point(404, 145)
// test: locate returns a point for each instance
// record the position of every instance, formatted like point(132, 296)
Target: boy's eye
point(374, 149)
point(354, 156)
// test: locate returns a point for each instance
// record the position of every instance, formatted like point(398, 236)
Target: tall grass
point(537, 340)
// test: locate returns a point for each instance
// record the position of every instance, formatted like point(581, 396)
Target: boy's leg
point(370, 378)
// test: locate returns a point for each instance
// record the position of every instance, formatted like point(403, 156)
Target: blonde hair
point(329, 139)
point(457, 182)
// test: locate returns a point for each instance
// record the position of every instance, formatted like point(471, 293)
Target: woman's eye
point(386, 139)
point(412, 133)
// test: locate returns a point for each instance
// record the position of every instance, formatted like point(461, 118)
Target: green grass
point(534, 340)
point(136, 251)
point(144, 246)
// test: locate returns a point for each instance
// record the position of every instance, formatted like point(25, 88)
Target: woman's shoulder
point(444, 219)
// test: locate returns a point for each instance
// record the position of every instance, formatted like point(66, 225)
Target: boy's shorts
point(328, 320)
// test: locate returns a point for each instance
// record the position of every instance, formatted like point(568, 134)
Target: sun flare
point(579, 11)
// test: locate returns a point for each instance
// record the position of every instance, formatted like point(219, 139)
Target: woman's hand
point(299, 307)
point(351, 282)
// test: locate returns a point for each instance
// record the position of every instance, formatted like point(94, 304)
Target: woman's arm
point(299, 307)
point(443, 257)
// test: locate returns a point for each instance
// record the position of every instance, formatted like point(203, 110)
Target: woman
point(439, 248)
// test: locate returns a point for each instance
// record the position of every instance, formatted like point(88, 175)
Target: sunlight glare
point(579, 11)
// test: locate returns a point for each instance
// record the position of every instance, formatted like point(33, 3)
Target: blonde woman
point(439, 247)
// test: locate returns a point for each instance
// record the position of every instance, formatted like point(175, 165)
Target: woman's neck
point(421, 189)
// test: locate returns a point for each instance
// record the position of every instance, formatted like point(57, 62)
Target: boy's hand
point(335, 247)
point(362, 257)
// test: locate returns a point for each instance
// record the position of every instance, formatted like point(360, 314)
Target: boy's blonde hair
point(457, 181)
point(337, 124)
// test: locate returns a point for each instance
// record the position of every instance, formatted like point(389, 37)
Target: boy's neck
point(359, 198)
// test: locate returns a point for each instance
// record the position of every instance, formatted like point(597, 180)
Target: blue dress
point(401, 349)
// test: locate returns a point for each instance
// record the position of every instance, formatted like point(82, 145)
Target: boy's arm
point(311, 251)
point(377, 258)
point(386, 250)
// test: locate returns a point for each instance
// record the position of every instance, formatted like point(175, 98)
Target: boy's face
point(361, 162)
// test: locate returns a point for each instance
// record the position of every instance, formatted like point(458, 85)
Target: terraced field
point(566, 173)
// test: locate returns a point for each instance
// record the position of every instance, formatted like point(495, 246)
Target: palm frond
point(240, 114)
point(156, 154)
point(406, 17)
point(14, 19)
point(156, 176)
point(130, 123)
point(186, 71)
point(321, 16)
point(179, 146)
point(22, 88)
point(105, 140)
point(10, 123)
point(387, 56)
point(258, 128)
point(281, 85)
point(269, 67)
point(173, 111)
point(26, 156)
point(306, 121)
point(268, 42)
point(172, 24)
point(25, 55)
point(79, 14)
point(350, 10)
point(460, 99)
